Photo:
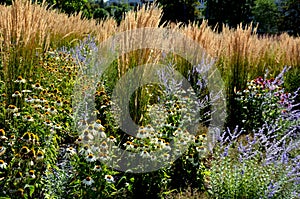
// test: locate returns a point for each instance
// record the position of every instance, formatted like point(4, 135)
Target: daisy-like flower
point(166, 156)
point(37, 86)
point(29, 99)
point(26, 137)
point(97, 168)
point(28, 118)
point(109, 178)
point(24, 150)
point(98, 124)
point(48, 122)
point(3, 164)
point(20, 192)
point(145, 154)
point(31, 174)
point(79, 140)
point(20, 80)
point(104, 145)
point(31, 153)
point(87, 135)
point(12, 109)
point(42, 100)
point(19, 176)
point(2, 150)
point(102, 134)
point(112, 139)
point(71, 151)
point(103, 157)
point(39, 155)
point(88, 181)
point(190, 157)
point(17, 114)
point(59, 102)
point(142, 133)
point(57, 126)
point(26, 91)
point(200, 149)
point(90, 158)
point(12, 139)
point(17, 94)
point(85, 150)
point(128, 145)
point(52, 110)
point(2, 135)
point(167, 146)
point(149, 128)
point(203, 137)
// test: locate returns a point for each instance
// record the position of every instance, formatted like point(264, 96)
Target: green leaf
point(31, 189)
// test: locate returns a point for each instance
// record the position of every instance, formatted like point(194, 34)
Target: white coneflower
point(190, 157)
point(28, 118)
point(57, 126)
point(142, 133)
point(31, 174)
point(59, 102)
point(128, 145)
point(70, 151)
point(12, 109)
point(112, 139)
point(24, 150)
point(20, 80)
point(203, 137)
point(87, 135)
point(52, 110)
point(166, 156)
point(26, 91)
point(2, 150)
point(145, 154)
point(19, 176)
point(17, 114)
point(103, 157)
point(42, 100)
point(104, 145)
point(85, 150)
point(153, 157)
point(90, 158)
point(97, 168)
point(3, 164)
point(201, 149)
point(26, 137)
point(37, 86)
point(109, 178)
point(79, 140)
point(167, 146)
point(2, 135)
point(88, 181)
point(98, 124)
point(102, 134)
point(17, 94)
point(39, 155)
point(48, 123)
point(29, 100)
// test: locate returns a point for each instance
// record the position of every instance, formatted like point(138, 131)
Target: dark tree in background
point(180, 10)
point(272, 16)
point(290, 20)
point(266, 14)
point(230, 12)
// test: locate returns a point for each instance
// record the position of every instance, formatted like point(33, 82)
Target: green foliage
point(290, 17)
point(264, 100)
point(230, 12)
point(186, 10)
point(266, 14)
